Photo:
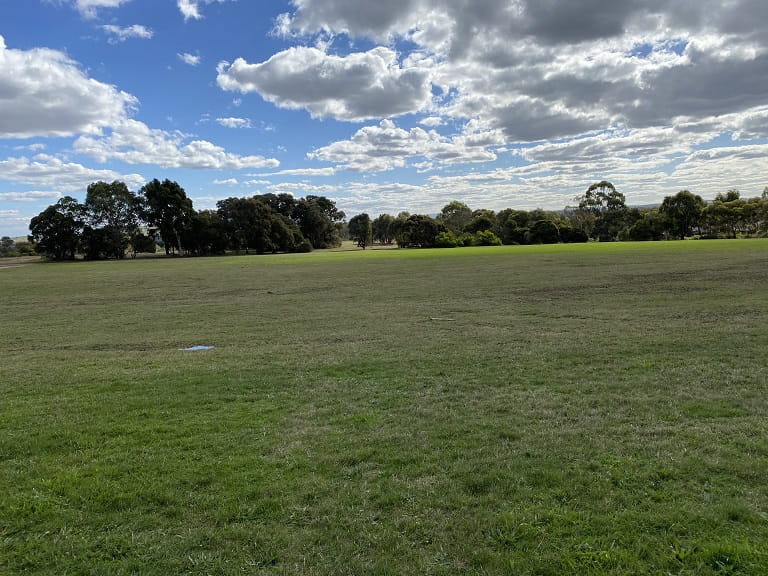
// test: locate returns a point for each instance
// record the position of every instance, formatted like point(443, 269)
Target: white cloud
point(122, 33)
point(432, 121)
point(89, 8)
point(36, 147)
point(384, 147)
point(190, 9)
point(190, 59)
point(227, 182)
point(50, 172)
point(359, 86)
point(306, 172)
point(47, 94)
point(136, 143)
point(30, 196)
point(540, 69)
point(234, 122)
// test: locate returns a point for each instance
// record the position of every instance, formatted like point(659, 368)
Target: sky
point(383, 106)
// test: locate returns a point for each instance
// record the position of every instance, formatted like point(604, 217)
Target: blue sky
point(382, 106)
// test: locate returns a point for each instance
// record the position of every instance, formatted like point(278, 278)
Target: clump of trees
point(9, 248)
point(114, 222)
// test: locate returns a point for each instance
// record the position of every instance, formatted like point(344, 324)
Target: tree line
point(601, 214)
point(114, 222)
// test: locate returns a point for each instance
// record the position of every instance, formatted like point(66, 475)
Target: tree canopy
point(113, 222)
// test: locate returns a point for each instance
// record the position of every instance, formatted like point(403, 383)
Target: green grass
point(583, 409)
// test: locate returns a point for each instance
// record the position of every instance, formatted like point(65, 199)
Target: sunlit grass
point(585, 409)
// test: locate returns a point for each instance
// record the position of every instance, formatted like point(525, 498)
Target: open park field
point(569, 409)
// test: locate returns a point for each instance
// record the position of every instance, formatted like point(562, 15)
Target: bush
point(304, 246)
point(445, 240)
point(487, 238)
point(543, 232)
point(465, 239)
point(572, 235)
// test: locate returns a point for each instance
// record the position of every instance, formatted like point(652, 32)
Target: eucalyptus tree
point(167, 208)
point(112, 214)
point(361, 230)
point(57, 230)
point(682, 211)
point(608, 206)
point(455, 216)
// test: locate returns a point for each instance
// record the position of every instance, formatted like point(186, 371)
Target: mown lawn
point(590, 409)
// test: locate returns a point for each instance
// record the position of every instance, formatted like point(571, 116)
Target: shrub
point(304, 246)
point(487, 238)
point(445, 240)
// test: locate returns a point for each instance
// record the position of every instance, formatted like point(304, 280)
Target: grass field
point(581, 409)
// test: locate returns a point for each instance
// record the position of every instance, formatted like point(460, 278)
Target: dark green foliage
point(445, 240)
point(727, 215)
point(205, 235)
point(543, 232)
point(141, 243)
point(250, 224)
point(285, 235)
point(607, 207)
point(319, 221)
point(283, 203)
point(10, 248)
point(112, 215)
point(361, 230)
point(486, 238)
point(682, 212)
point(651, 225)
point(480, 223)
point(56, 231)
point(455, 216)
point(570, 235)
point(7, 247)
point(167, 208)
point(417, 231)
point(383, 228)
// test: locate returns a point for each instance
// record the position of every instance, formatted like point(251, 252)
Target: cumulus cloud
point(136, 143)
point(50, 172)
point(51, 96)
point(356, 87)
point(30, 196)
point(118, 34)
point(546, 69)
point(234, 122)
point(190, 9)
point(384, 147)
point(90, 8)
point(190, 59)
point(305, 172)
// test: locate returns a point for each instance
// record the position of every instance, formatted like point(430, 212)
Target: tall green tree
point(205, 235)
point(608, 206)
point(57, 230)
point(319, 221)
point(384, 228)
point(725, 215)
point(455, 216)
point(112, 216)
point(682, 211)
point(361, 230)
point(167, 208)
point(247, 223)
